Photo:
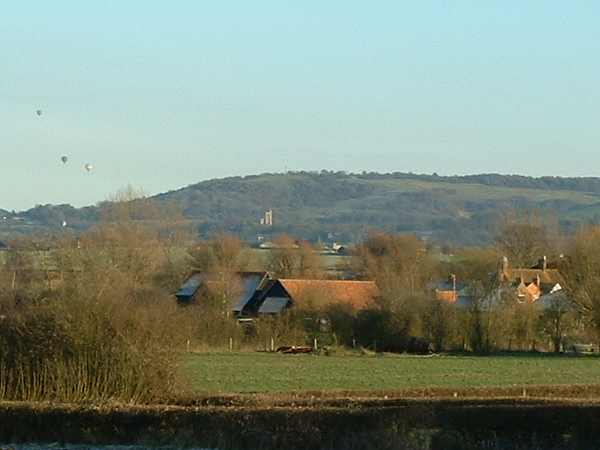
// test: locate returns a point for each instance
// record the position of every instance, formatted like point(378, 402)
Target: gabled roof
point(358, 294)
point(190, 286)
point(251, 283)
point(529, 292)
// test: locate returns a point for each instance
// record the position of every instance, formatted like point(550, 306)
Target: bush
point(286, 329)
point(94, 351)
point(382, 331)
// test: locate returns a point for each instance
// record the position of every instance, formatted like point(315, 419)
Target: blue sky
point(165, 94)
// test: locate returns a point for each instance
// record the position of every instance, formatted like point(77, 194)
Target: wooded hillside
point(325, 205)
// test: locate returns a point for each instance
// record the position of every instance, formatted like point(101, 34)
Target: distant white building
point(267, 220)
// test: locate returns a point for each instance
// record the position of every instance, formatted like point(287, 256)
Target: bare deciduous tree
point(290, 259)
point(581, 271)
point(558, 318)
point(524, 238)
point(400, 264)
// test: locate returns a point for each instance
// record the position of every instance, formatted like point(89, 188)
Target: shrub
point(88, 351)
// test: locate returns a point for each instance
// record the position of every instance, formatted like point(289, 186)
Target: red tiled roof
point(447, 296)
point(358, 294)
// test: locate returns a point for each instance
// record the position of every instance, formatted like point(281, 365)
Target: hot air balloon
point(88, 167)
point(64, 159)
point(38, 112)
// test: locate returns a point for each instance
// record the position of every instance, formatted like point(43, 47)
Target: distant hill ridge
point(344, 206)
point(577, 184)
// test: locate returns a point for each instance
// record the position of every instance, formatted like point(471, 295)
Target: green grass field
point(263, 372)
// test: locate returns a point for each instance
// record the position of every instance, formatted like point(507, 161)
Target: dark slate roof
point(553, 299)
point(273, 305)
point(463, 300)
point(3, 246)
point(190, 286)
point(251, 284)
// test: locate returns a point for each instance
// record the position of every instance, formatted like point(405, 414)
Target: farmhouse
point(540, 282)
point(529, 284)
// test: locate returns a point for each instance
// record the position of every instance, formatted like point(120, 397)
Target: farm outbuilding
point(255, 293)
point(286, 293)
point(240, 288)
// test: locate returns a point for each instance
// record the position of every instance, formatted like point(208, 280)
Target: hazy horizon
point(164, 96)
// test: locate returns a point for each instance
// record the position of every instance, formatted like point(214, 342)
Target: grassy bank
point(266, 372)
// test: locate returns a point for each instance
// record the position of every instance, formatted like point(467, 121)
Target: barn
point(286, 293)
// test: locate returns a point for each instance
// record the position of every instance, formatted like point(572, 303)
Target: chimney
point(504, 268)
point(454, 297)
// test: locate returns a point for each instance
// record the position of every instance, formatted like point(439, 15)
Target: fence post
point(230, 344)
point(353, 343)
point(187, 345)
point(315, 344)
point(272, 344)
